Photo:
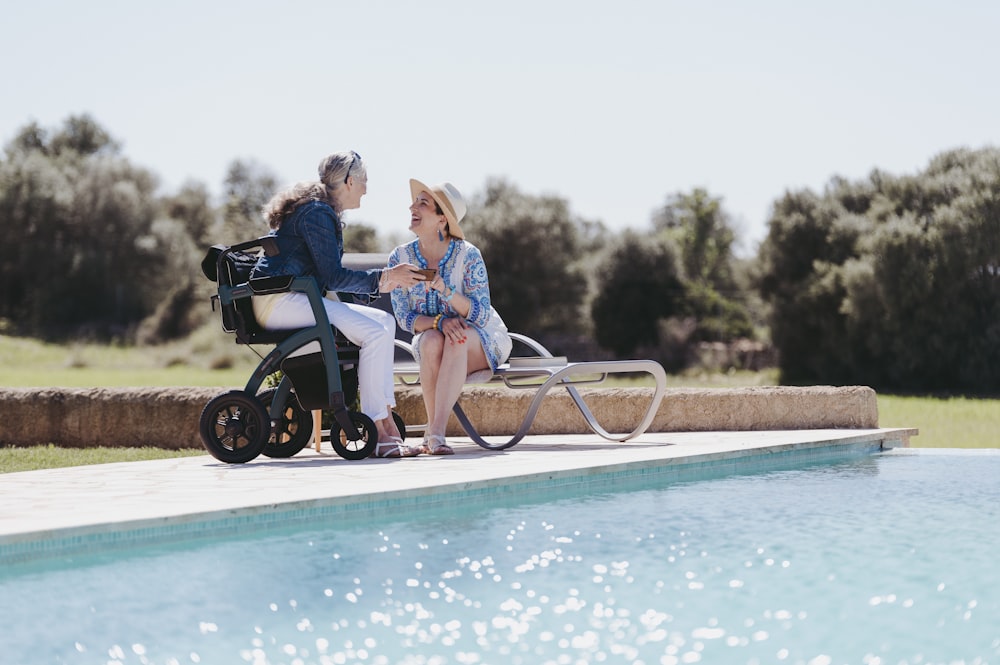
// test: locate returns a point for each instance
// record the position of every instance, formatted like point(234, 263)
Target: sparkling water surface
point(885, 560)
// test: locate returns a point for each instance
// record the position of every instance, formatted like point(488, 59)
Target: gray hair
point(333, 172)
point(336, 167)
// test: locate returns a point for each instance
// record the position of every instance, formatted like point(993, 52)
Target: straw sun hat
point(449, 198)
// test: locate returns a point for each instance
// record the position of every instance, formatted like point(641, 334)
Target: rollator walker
point(309, 369)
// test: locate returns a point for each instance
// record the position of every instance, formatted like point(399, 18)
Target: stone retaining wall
point(169, 417)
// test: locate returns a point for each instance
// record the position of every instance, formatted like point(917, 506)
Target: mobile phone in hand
point(427, 273)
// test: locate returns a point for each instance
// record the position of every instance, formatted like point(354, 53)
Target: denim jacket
point(311, 244)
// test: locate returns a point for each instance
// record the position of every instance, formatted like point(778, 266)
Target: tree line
point(890, 281)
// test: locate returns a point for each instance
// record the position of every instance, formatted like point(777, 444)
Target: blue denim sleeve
point(319, 228)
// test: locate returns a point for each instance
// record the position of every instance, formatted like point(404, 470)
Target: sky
point(613, 106)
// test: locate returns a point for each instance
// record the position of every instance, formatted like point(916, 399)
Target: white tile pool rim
point(84, 510)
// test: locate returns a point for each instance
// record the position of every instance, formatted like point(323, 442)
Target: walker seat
point(309, 369)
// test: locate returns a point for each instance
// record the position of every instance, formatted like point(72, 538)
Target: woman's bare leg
point(431, 350)
point(456, 362)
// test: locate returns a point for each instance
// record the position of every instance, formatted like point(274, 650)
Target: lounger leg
point(562, 378)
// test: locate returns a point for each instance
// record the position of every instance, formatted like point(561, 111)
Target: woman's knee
point(364, 329)
point(387, 320)
point(432, 342)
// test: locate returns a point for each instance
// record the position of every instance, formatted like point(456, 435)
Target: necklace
point(435, 254)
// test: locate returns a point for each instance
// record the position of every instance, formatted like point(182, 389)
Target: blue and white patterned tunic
point(463, 269)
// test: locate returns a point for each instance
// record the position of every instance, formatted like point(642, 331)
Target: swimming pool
point(884, 559)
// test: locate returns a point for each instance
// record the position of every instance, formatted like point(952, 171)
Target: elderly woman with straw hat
point(458, 335)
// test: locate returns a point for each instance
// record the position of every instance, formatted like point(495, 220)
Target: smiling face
point(424, 218)
point(354, 189)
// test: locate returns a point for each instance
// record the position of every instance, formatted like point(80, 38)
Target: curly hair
point(333, 172)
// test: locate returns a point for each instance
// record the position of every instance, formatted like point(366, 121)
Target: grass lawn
point(53, 457)
point(954, 422)
point(198, 361)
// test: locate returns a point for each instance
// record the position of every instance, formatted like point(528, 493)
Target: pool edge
point(693, 464)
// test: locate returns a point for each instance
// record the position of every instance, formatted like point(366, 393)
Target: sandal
point(435, 444)
point(395, 448)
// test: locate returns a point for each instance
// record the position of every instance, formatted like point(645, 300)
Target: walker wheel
point(359, 448)
point(234, 427)
point(293, 429)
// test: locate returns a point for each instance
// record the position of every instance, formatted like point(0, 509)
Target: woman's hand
point(460, 305)
point(453, 329)
point(405, 275)
point(438, 284)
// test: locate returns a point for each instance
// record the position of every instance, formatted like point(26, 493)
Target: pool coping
point(84, 510)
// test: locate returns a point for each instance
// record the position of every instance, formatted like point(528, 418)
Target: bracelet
point(437, 322)
point(451, 294)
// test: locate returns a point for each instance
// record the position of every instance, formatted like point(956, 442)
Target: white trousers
point(372, 329)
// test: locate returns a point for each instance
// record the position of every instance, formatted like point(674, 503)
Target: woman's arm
point(401, 308)
point(320, 229)
point(473, 303)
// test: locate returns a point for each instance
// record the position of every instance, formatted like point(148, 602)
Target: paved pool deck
point(68, 511)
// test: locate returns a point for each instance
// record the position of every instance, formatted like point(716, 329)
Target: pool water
point(889, 559)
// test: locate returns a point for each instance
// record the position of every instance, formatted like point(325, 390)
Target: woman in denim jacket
point(305, 220)
point(458, 336)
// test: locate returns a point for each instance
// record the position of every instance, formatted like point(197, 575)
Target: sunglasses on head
point(355, 158)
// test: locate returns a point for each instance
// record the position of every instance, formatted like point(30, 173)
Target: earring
point(440, 235)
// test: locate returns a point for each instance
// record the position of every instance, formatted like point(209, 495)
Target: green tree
point(809, 239)
point(82, 135)
point(247, 187)
point(183, 295)
point(31, 138)
point(891, 281)
point(641, 286)
point(192, 205)
point(360, 238)
point(703, 233)
point(83, 255)
point(532, 248)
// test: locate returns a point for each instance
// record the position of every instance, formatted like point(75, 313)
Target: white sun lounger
point(541, 373)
